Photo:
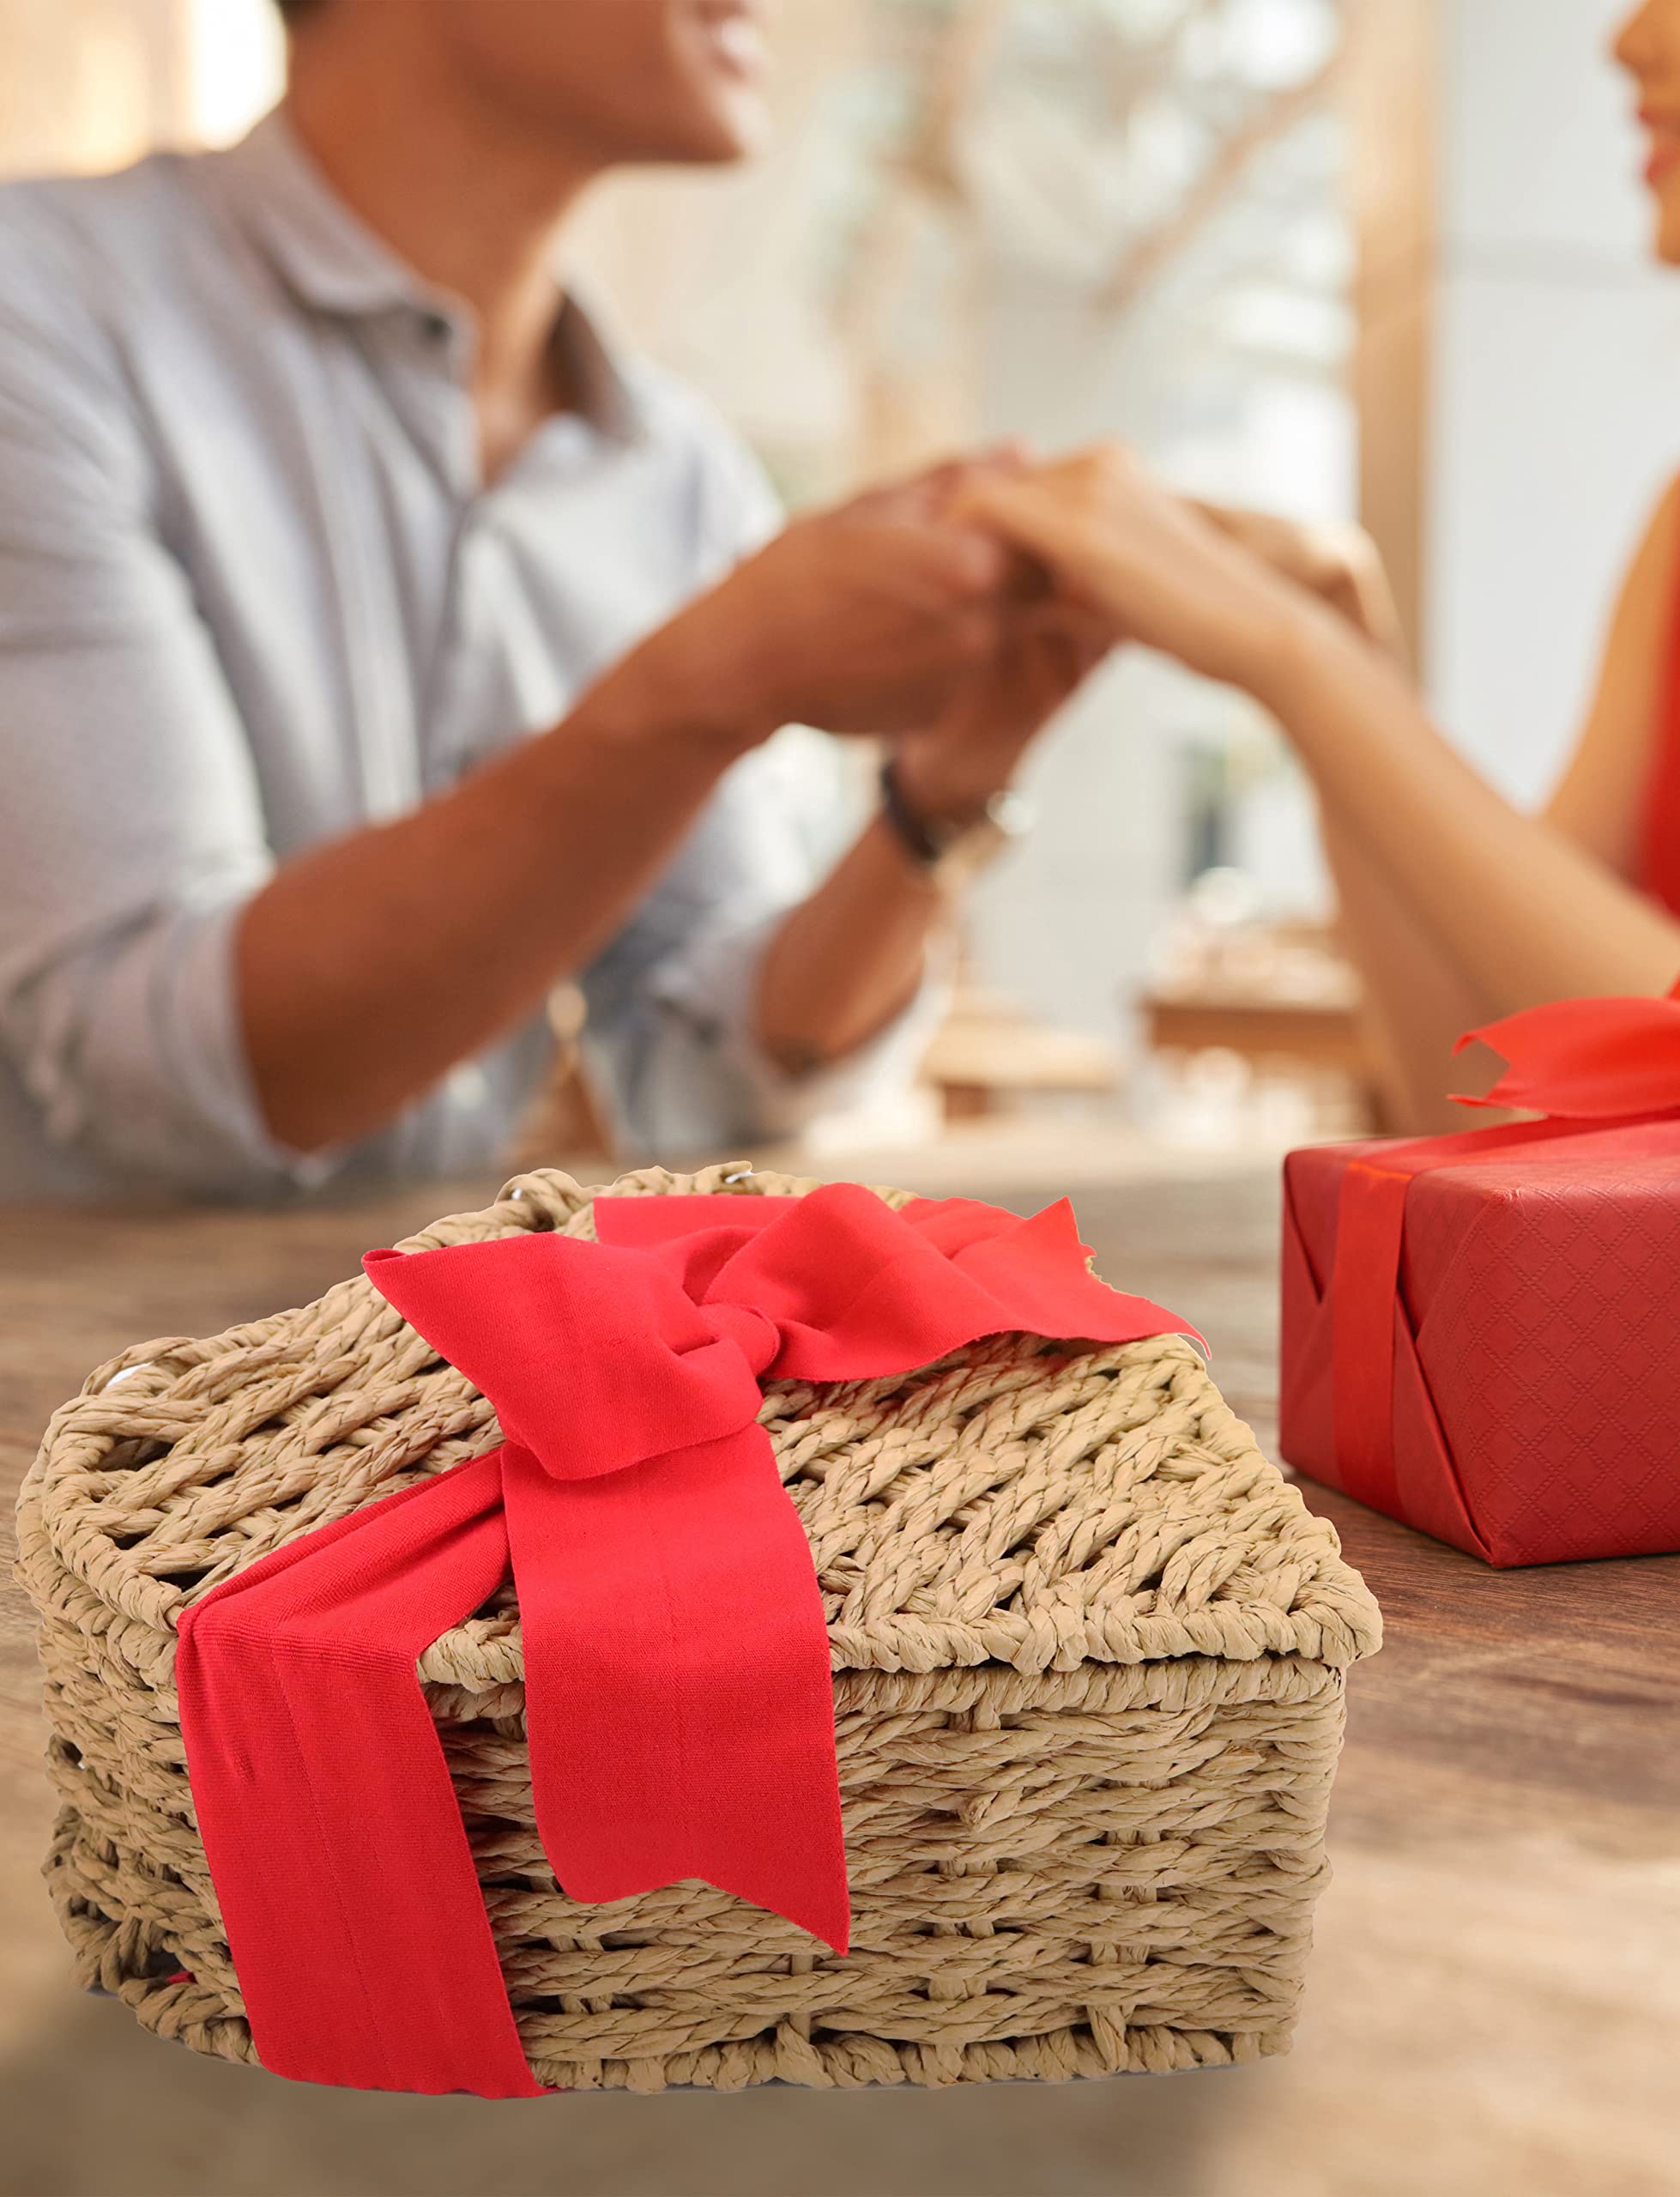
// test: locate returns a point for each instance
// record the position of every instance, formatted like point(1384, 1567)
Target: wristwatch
point(949, 851)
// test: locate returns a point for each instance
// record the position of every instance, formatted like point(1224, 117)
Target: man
point(376, 651)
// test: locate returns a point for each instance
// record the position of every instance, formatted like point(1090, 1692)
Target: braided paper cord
point(1089, 1652)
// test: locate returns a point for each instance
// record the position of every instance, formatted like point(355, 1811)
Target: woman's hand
point(1158, 570)
point(1339, 562)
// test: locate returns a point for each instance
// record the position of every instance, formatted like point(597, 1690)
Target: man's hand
point(1044, 650)
point(864, 618)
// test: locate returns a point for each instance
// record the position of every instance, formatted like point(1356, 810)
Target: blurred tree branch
point(1148, 254)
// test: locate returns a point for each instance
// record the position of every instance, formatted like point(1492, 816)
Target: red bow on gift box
point(1585, 1064)
point(678, 1703)
point(1587, 1060)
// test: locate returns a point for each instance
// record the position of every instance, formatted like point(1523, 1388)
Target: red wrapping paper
point(1481, 1333)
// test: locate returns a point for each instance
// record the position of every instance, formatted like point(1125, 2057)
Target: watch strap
point(918, 838)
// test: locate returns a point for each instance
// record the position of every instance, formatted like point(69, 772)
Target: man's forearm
point(367, 968)
point(849, 958)
point(853, 956)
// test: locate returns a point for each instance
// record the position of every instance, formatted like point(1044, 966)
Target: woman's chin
point(1666, 240)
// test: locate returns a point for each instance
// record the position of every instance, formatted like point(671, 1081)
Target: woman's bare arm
point(1516, 908)
point(1418, 998)
point(1600, 801)
point(1519, 910)
point(1416, 1002)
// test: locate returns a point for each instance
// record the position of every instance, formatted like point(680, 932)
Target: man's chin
point(731, 131)
point(710, 153)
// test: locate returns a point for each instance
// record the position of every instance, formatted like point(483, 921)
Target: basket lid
point(1022, 1502)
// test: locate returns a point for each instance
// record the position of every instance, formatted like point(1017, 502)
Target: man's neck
point(472, 213)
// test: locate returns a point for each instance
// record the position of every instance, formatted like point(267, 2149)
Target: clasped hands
point(955, 612)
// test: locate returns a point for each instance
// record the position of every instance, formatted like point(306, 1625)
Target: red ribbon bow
point(1581, 1062)
point(1587, 1060)
point(678, 1703)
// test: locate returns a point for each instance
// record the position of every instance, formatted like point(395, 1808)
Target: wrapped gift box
point(1481, 1333)
point(1088, 1651)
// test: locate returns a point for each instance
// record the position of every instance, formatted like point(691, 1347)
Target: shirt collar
point(334, 263)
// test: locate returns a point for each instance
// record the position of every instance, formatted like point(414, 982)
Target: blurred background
point(1372, 258)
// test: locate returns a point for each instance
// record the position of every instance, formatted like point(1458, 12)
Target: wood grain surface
point(1495, 2003)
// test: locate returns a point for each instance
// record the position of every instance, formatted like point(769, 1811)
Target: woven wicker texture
point(1089, 1652)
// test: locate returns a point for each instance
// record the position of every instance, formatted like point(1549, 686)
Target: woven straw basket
point(1089, 1657)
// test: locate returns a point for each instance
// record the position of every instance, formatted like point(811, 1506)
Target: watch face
point(1011, 812)
point(949, 850)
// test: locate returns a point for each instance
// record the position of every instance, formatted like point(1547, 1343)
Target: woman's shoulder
point(1661, 540)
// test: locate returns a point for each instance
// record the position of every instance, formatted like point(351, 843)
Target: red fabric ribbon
point(678, 1703)
point(1582, 1063)
point(1587, 1060)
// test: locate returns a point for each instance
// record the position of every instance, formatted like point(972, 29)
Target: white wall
point(1556, 394)
point(90, 84)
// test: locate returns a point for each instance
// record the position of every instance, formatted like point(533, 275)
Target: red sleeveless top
point(1659, 842)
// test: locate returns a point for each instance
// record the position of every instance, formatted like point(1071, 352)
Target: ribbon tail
point(679, 1704)
point(1364, 1300)
point(346, 1880)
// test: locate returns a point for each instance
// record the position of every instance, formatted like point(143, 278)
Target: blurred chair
point(990, 1056)
point(567, 1120)
point(1278, 996)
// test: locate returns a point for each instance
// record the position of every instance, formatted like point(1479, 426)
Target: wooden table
point(1495, 2004)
